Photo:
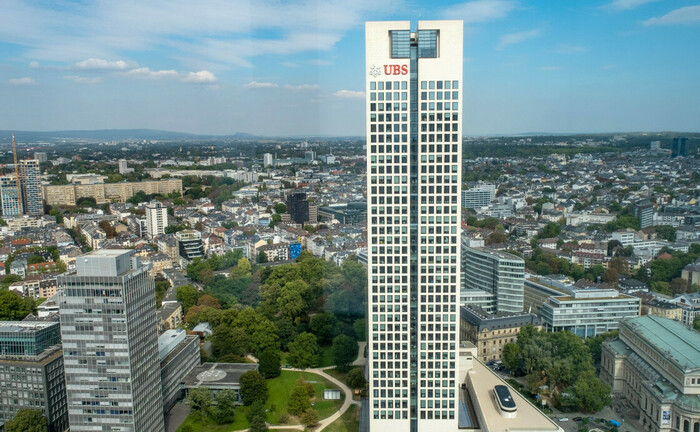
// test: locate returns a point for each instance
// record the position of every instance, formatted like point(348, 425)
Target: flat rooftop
point(528, 418)
point(24, 326)
point(217, 375)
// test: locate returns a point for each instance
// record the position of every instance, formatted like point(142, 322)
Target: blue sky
point(294, 68)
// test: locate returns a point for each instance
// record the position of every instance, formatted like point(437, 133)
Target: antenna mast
point(19, 188)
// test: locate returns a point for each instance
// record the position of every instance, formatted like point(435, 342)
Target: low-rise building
point(217, 377)
point(490, 332)
point(179, 354)
point(654, 363)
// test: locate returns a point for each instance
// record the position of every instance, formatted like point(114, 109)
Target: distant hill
point(110, 135)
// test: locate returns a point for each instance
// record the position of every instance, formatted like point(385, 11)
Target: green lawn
point(348, 422)
point(280, 389)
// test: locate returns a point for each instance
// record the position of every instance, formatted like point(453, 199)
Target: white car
point(563, 419)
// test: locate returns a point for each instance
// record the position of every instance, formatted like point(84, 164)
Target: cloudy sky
point(294, 68)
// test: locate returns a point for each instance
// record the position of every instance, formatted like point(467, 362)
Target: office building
point(217, 377)
point(478, 196)
point(31, 371)
point(644, 211)
point(156, 219)
point(267, 160)
point(490, 332)
point(189, 246)
point(41, 156)
point(179, 354)
point(654, 364)
point(414, 106)
point(477, 298)
point(10, 197)
point(679, 147)
point(298, 207)
point(110, 344)
point(124, 167)
point(30, 181)
point(585, 312)
point(498, 273)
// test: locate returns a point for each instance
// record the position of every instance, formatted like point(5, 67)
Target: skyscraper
point(32, 196)
point(156, 219)
point(10, 197)
point(679, 147)
point(414, 106)
point(110, 344)
point(298, 207)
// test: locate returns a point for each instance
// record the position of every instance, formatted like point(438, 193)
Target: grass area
point(342, 376)
point(280, 388)
point(348, 422)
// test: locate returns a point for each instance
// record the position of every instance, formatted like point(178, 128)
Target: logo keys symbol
point(375, 71)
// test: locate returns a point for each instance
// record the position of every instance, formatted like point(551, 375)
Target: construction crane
point(19, 188)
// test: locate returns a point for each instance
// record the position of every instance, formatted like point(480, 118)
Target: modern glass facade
point(32, 195)
point(109, 333)
point(413, 181)
point(500, 274)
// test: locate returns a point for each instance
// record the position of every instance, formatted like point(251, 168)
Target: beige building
point(490, 332)
point(654, 364)
point(108, 192)
point(691, 273)
point(663, 309)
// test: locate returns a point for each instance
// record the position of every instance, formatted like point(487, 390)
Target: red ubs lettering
point(395, 69)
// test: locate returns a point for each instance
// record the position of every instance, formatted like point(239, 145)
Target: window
point(400, 43)
point(427, 43)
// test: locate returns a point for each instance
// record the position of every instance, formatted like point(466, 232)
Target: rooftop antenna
point(19, 189)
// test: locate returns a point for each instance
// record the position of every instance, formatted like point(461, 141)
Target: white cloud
point(146, 73)
point(684, 15)
point(514, 38)
point(256, 84)
point(201, 77)
point(34, 65)
point(620, 5)
point(350, 94)
point(21, 81)
point(570, 49)
point(480, 11)
point(102, 64)
point(550, 68)
point(302, 87)
point(83, 80)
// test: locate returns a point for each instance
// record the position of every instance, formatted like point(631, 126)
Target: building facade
point(31, 372)
point(654, 363)
point(30, 181)
point(10, 197)
point(414, 140)
point(679, 147)
point(110, 345)
point(189, 246)
point(478, 196)
point(104, 193)
point(156, 219)
point(179, 354)
point(498, 273)
point(298, 207)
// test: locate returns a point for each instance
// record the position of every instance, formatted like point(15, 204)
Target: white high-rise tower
point(414, 148)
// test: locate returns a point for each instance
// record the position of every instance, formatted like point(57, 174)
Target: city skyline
point(604, 66)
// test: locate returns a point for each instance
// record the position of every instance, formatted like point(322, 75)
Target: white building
point(156, 219)
point(110, 344)
point(414, 117)
point(267, 160)
point(498, 273)
point(479, 196)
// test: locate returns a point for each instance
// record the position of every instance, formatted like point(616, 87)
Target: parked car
point(563, 419)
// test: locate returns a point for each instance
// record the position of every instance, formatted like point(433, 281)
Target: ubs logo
point(375, 71)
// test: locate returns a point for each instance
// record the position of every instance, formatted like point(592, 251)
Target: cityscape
point(284, 268)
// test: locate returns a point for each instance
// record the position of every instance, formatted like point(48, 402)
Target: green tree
point(511, 356)
point(696, 323)
point(224, 410)
point(356, 378)
point(299, 400)
point(226, 340)
point(310, 417)
point(199, 400)
point(27, 420)
point(611, 276)
point(591, 393)
point(187, 295)
point(304, 351)
point(13, 307)
point(325, 326)
point(269, 362)
point(262, 257)
point(253, 388)
point(344, 351)
point(280, 208)
point(551, 230)
point(256, 418)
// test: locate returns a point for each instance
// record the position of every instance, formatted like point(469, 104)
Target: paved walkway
point(360, 360)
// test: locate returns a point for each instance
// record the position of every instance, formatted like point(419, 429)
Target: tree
point(696, 323)
point(13, 307)
point(591, 393)
point(199, 400)
point(280, 208)
point(227, 339)
point(27, 420)
point(511, 353)
point(299, 400)
point(304, 351)
point(256, 418)
point(224, 410)
point(269, 362)
point(324, 326)
point(344, 351)
point(310, 417)
point(551, 230)
point(679, 286)
point(356, 378)
point(262, 257)
point(208, 301)
point(187, 295)
point(253, 388)
point(611, 276)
